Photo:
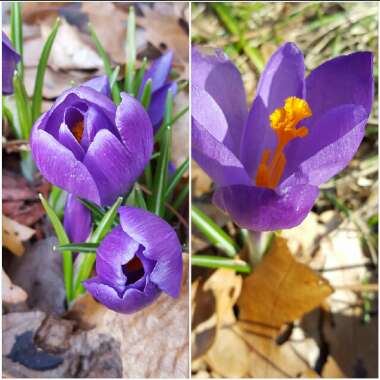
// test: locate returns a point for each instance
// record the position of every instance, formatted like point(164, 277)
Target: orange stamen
point(77, 130)
point(284, 122)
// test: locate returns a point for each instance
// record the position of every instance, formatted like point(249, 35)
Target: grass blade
point(17, 34)
point(176, 178)
point(57, 200)
point(213, 232)
point(115, 90)
point(89, 260)
point(77, 247)
point(114, 76)
point(147, 94)
point(22, 106)
point(38, 84)
point(220, 262)
point(63, 239)
point(139, 77)
point(131, 51)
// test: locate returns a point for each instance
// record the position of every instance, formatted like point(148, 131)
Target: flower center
point(284, 122)
point(134, 270)
point(77, 130)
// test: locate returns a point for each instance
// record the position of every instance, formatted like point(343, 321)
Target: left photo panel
point(95, 189)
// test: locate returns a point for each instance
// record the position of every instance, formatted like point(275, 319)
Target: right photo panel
point(284, 215)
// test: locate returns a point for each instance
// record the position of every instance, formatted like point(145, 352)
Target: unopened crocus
point(136, 261)
point(89, 147)
point(159, 74)
point(9, 61)
point(268, 163)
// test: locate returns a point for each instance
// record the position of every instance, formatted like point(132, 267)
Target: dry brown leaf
point(12, 293)
point(280, 290)
point(14, 234)
point(165, 32)
point(113, 36)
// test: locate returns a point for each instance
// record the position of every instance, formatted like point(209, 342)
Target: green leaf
point(131, 51)
point(22, 106)
point(63, 239)
point(175, 118)
point(114, 76)
point(213, 232)
point(220, 262)
point(17, 34)
point(147, 93)
point(160, 179)
point(41, 68)
point(7, 113)
point(115, 90)
point(57, 200)
point(88, 261)
point(176, 178)
point(139, 77)
point(77, 247)
point(136, 198)
point(178, 201)
point(97, 211)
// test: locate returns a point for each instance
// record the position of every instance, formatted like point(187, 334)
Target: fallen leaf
point(280, 290)
point(12, 293)
point(14, 234)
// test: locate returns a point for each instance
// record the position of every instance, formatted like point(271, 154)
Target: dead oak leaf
point(280, 290)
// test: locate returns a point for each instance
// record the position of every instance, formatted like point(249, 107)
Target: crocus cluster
point(9, 61)
point(95, 150)
point(268, 162)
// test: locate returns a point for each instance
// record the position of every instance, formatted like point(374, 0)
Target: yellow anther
point(284, 122)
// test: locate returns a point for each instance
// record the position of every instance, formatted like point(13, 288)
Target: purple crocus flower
point(136, 261)
point(159, 73)
point(268, 163)
point(89, 147)
point(10, 59)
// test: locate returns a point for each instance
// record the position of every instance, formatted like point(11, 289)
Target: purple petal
point(156, 108)
point(135, 129)
point(261, 209)
point(9, 61)
point(60, 167)
point(215, 158)
point(161, 244)
point(133, 299)
point(342, 80)
point(116, 249)
point(158, 72)
point(100, 84)
point(67, 139)
point(332, 141)
point(76, 220)
point(219, 77)
point(283, 77)
point(113, 167)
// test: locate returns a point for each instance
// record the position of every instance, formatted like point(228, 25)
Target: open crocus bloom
point(159, 74)
point(268, 163)
point(136, 261)
point(9, 61)
point(89, 147)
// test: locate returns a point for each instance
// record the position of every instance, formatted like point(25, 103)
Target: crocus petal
point(215, 158)
point(135, 129)
point(261, 209)
point(67, 139)
point(332, 142)
point(158, 72)
point(161, 245)
point(59, 166)
point(76, 220)
point(342, 80)
point(133, 299)
point(219, 77)
point(9, 61)
point(100, 84)
point(156, 108)
point(113, 167)
point(282, 77)
point(116, 249)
